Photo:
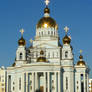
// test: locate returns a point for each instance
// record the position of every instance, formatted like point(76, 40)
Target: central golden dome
point(47, 21)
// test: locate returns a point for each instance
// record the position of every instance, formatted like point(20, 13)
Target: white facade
point(47, 65)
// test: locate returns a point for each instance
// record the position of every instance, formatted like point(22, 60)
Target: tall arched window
point(66, 54)
point(19, 83)
point(42, 33)
point(39, 33)
point(20, 56)
point(66, 82)
point(82, 83)
point(48, 32)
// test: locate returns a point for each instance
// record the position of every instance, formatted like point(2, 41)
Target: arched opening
point(20, 56)
point(66, 54)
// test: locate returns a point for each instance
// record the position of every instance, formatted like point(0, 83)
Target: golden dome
point(66, 40)
point(41, 59)
point(47, 21)
point(81, 63)
point(21, 41)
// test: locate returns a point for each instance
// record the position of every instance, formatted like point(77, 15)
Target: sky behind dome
point(17, 14)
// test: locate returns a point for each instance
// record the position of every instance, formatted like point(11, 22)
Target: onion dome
point(41, 58)
point(81, 62)
point(66, 40)
point(21, 41)
point(47, 21)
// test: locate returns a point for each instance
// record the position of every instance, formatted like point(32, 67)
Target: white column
point(48, 81)
point(55, 83)
point(59, 82)
point(26, 82)
point(44, 81)
point(36, 81)
point(84, 83)
point(87, 83)
point(33, 82)
point(22, 78)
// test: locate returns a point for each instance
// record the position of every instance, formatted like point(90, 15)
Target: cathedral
point(47, 65)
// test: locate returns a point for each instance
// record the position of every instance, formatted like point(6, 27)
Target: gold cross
point(31, 41)
point(47, 2)
point(22, 31)
point(81, 51)
point(66, 29)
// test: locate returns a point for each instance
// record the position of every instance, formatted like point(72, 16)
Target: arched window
point(53, 54)
point(20, 56)
point(48, 55)
point(66, 82)
point(48, 32)
point(51, 32)
point(42, 33)
point(54, 32)
point(39, 33)
point(19, 83)
point(66, 54)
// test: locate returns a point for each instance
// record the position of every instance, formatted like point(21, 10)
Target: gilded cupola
point(47, 21)
point(81, 62)
point(21, 41)
point(66, 39)
point(41, 58)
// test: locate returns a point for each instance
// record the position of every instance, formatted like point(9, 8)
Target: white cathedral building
point(47, 66)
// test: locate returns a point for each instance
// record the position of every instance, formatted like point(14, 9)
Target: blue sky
point(17, 14)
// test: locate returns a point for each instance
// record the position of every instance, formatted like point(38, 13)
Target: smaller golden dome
point(21, 41)
point(81, 63)
point(41, 59)
point(66, 40)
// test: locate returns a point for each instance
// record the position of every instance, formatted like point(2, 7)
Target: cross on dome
point(22, 31)
point(66, 29)
point(47, 2)
point(81, 51)
point(31, 41)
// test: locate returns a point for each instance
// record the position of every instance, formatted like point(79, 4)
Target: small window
point(48, 32)
point(42, 33)
point(66, 82)
point(66, 54)
point(81, 76)
point(52, 32)
point(39, 33)
point(19, 83)
point(20, 55)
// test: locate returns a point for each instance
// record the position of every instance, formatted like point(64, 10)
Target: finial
point(66, 29)
point(31, 41)
point(47, 2)
point(81, 51)
point(22, 31)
